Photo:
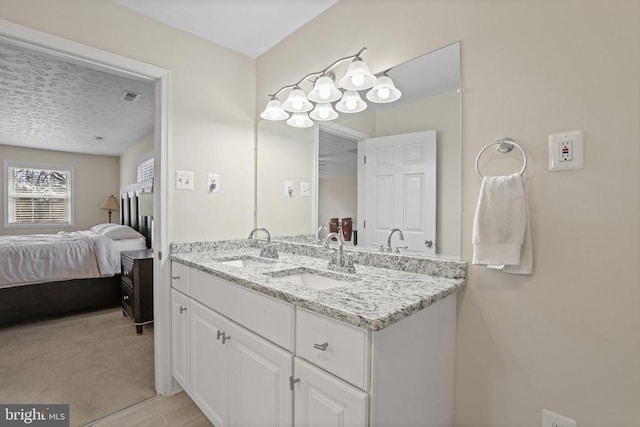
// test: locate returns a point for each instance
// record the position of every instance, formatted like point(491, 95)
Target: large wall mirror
point(411, 178)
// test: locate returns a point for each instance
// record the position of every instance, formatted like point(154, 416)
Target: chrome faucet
point(267, 250)
point(393, 230)
point(339, 261)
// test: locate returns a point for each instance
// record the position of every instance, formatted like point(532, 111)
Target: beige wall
point(337, 198)
point(284, 154)
point(442, 114)
point(566, 338)
point(95, 177)
point(129, 163)
point(212, 105)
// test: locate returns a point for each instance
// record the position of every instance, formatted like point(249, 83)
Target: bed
point(52, 274)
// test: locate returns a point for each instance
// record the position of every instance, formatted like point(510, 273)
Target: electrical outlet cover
point(566, 151)
point(184, 180)
point(305, 189)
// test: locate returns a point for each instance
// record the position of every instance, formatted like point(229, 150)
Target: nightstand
point(136, 287)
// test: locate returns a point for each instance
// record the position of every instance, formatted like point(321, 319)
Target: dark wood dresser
point(136, 287)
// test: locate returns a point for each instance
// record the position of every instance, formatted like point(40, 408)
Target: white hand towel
point(501, 235)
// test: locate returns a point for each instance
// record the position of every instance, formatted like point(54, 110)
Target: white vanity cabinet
point(235, 377)
point(250, 359)
point(180, 338)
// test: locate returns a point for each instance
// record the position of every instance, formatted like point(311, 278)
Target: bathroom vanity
point(286, 342)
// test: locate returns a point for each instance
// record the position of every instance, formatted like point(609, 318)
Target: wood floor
point(173, 411)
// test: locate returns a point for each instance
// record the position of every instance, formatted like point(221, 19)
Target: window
point(38, 195)
point(145, 167)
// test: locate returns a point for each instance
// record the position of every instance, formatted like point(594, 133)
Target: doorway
point(127, 67)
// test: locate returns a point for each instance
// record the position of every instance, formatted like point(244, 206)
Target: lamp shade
point(324, 111)
point(351, 102)
point(358, 76)
point(274, 111)
point(300, 120)
point(384, 91)
point(297, 102)
point(324, 90)
point(110, 203)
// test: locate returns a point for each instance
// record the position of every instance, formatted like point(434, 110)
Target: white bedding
point(40, 258)
point(129, 245)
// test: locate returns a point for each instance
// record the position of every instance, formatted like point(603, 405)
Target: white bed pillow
point(116, 231)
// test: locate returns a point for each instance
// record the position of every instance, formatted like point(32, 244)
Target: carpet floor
point(95, 362)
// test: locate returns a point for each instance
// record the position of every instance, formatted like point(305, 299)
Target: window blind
point(145, 168)
point(38, 195)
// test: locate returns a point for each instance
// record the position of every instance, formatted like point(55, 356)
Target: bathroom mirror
point(305, 177)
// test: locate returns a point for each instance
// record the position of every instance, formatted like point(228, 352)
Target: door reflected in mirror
point(411, 179)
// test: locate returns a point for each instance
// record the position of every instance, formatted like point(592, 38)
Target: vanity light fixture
point(324, 92)
point(300, 120)
point(384, 91)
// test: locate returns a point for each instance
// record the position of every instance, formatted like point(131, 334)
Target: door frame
point(130, 68)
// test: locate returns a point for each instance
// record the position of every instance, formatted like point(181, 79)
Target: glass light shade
point(358, 76)
point(351, 102)
point(324, 90)
point(323, 112)
point(274, 111)
point(384, 91)
point(297, 102)
point(300, 120)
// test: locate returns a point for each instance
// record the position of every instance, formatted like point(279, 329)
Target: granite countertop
point(372, 298)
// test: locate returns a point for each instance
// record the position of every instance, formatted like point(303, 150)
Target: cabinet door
point(180, 339)
point(208, 381)
point(259, 371)
point(322, 400)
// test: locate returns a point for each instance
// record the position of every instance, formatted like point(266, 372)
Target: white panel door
point(208, 381)
point(400, 190)
point(259, 371)
point(322, 400)
point(180, 338)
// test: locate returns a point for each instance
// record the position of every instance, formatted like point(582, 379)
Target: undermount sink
point(245, 261)
point(311, 278)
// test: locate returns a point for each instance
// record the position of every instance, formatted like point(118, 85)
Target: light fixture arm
point(319, 73)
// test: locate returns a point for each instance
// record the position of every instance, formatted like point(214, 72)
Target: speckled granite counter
point(372, 298)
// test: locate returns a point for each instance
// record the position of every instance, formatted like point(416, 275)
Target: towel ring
point(504, 145)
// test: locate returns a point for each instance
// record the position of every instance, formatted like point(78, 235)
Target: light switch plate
point(288, 188)
point(566, 151)
point(213, 183)
point(184, 180)
point(305, 189)
point(551, 419)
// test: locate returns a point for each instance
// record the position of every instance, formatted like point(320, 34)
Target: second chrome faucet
point(339, 260)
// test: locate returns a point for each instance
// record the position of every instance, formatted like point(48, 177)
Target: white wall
point(566, 338)
point(95, 177)
point(129, 160)
point(212, 105)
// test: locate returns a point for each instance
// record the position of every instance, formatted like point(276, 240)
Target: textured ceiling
point(47, 103)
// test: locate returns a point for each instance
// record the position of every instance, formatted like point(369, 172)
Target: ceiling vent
point(129, 96)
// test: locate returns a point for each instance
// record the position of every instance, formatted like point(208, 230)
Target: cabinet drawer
point(266, 316)
point(337, 347)
point(180, 277)
point(126, 297)
point(127, 267)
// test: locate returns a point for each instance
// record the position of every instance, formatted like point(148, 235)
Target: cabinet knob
point(225, 338)
point(125, 297)
point(175, 277)
point(182, 309)
point(126, 273)
point(322, 347)
point(220, 333)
